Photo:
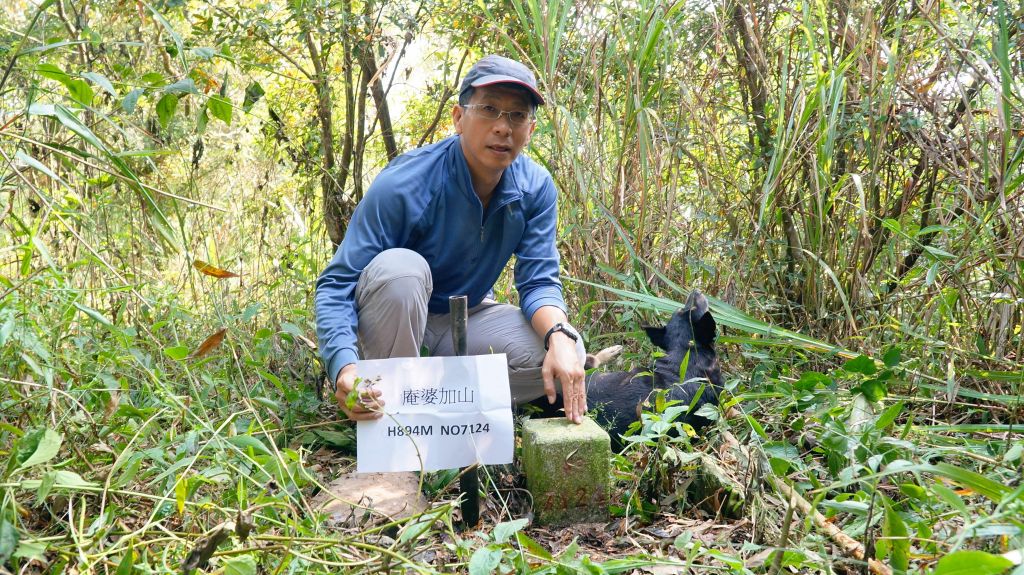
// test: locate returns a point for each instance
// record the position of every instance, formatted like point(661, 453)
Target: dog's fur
point(617, 397)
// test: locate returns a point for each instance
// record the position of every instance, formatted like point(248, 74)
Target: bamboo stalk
point(849, 545)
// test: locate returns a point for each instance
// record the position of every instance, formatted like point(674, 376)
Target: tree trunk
point(332, 193)
point(370, 71)
point(372, 77)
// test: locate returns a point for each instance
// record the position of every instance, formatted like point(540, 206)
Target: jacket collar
point(508, 188)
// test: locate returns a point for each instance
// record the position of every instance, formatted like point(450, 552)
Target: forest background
point(842, 178)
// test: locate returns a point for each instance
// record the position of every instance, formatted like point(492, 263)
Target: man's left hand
point(561, 362)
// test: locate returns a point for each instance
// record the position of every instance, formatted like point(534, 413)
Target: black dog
point(617, 397)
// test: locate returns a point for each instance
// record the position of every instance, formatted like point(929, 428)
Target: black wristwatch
point(562, 328)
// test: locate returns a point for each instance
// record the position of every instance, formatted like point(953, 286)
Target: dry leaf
point(200, 555)
point(243, 525)
point(212, 270)
point(309, 343)
point(112, 403)
point(210, 343)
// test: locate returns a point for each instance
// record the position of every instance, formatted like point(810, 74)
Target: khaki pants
point(391, 299)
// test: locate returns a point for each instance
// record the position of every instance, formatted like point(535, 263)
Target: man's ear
point(656, 335)
point(457, 113)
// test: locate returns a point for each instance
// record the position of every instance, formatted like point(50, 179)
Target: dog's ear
point(657, 336)
point(697, 304)
point(704, 326)
point(705, 329)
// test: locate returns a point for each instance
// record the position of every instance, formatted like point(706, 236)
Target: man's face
point(490, 146)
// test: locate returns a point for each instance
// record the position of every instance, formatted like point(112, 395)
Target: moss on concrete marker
point(566, 468)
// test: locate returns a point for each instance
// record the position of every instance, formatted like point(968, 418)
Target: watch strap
point(562, 328)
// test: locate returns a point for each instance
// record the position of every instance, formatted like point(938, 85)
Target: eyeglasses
point(488, 112)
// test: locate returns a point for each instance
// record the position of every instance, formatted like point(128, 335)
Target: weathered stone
point(716, 491)
point(566, 467)
point(368, 498)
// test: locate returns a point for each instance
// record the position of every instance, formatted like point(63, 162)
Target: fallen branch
point(848, 544)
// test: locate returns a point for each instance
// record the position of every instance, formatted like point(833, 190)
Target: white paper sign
point(440, 413)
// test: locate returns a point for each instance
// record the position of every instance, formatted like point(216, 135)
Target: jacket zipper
point(497, 209)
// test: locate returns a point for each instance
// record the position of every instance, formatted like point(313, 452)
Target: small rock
point(361, 498)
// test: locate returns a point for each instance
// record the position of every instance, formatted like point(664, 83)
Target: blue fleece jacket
point(424, 201)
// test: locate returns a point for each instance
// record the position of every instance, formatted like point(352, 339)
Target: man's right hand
point(367, 405)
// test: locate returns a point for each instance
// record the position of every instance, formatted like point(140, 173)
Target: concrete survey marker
point(566, 468)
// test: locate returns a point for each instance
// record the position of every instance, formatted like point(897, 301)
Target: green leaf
point(756, 426)
point(97, 317)
point(809, 380)
point(1014, 453)
point(683, 365)
point(181, 493)
point(51, 72)
point(177, 353)
point(892, 357)
point(32, 551)
point(971, 480)
point(873, 390)
point(101, 81)
point(779, 467)
point(930, 230)
point(204, 53)
point(412, 531)
point(895, 532)
point(153, 79)
point(503, 531)
point(65, 478)
point(202, 120)
point(60, 479)
point(39, 166)
point(532, 547)
point(939, 254)
point(131, 100)
point(336, 439)
point(951, 498)
point(484, 561)
point(38, 447)
point(220, 107)
point(914, 491)
point(253, 93)
point(80, 91)
point(183, 86)
point(45, 486)
point(570, 551)
point(888, 416)
point(127, 564)
point(247, 441)
point(972, 562)
point(71, 122)
point(239, 565)
point(860, 364)
point(6, 329)
point(782, 450)
point(8, 540)
point(165, 109)
point(179, 45)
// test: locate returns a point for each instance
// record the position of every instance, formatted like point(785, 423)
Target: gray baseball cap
point(500, 70)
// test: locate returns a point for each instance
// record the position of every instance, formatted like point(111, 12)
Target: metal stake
point(469, 484)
